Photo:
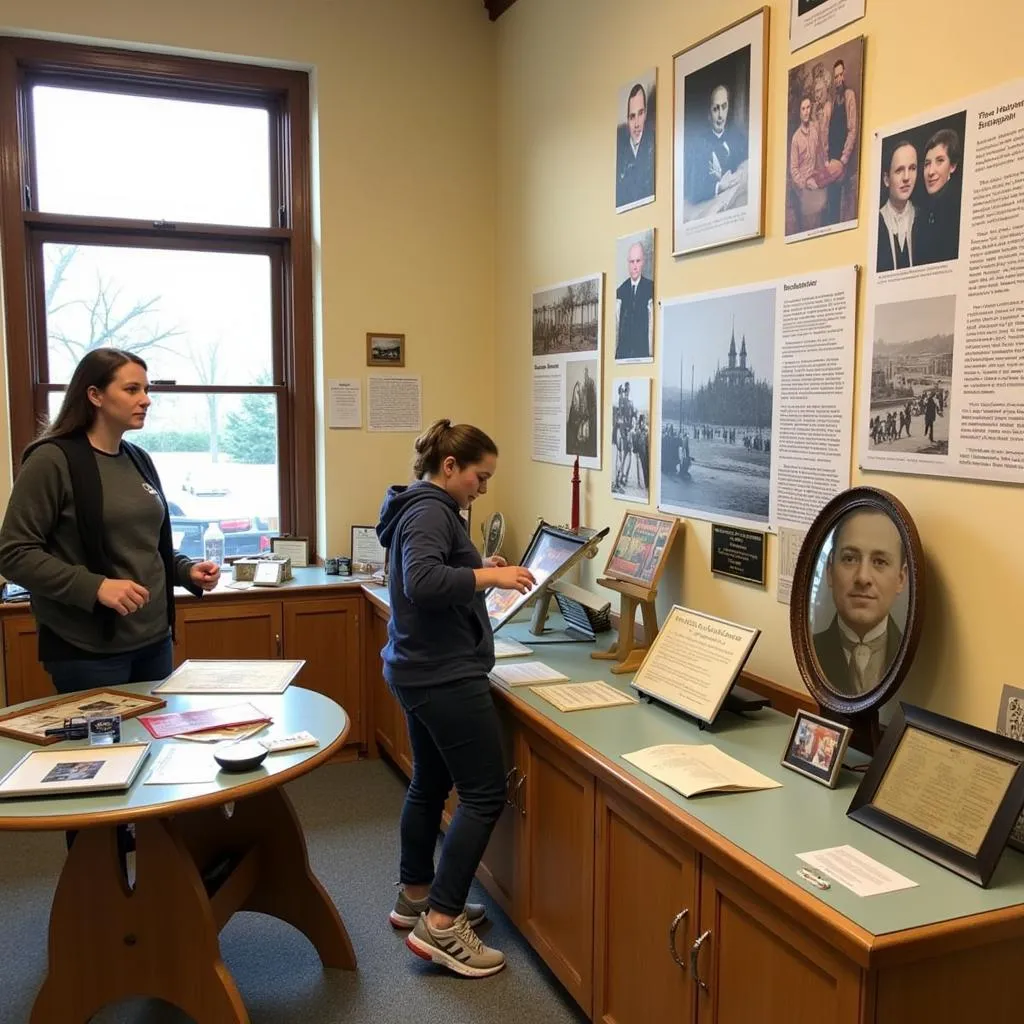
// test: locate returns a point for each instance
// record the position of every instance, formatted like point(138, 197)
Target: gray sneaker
point(407, 911)
point(458, 948)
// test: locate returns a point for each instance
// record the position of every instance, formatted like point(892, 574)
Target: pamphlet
point(177, 722)
point(505, 647)
point(180, 766)
point(526, 673)
point(698, 769)
point(860, 873)
point(581, 696)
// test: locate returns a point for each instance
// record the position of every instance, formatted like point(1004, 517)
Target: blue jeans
point(146, 664)
point(455, 736)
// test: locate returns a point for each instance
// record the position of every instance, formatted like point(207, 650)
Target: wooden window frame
point(288, 241)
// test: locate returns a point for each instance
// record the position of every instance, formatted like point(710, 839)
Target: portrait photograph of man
point(920, 192)
point(858, 618)
point(823, 155)
point(634, 298)
point(718, 142)
point(634, 142)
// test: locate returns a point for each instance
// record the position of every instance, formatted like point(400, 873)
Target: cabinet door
point(24, 675)
point(325, 633)
point(555, 863)
point(497, 869)
point(383, 706)
point(758, 965)
point(239, 629)
point(645, 913)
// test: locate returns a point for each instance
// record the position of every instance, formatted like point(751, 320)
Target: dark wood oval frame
point(799, 621)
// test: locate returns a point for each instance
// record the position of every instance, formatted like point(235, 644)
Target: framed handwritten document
point(946, 790)
point(693, 662)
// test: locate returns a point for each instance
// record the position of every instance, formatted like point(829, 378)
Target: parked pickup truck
point(242, 535)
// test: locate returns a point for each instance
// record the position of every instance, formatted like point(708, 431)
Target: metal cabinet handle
point(672, 937)
point(694, 954)
point(510, 775)
point(518, 803)
point(277, 643)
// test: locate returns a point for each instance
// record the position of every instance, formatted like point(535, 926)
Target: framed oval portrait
point(857, 601)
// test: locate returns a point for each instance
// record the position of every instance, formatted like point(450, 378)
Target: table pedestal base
point(159, 938)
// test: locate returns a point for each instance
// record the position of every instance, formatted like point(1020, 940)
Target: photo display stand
point(635, 565)
point(626, 652)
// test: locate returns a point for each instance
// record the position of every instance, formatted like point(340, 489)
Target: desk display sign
point(738, 553)
point(32, 724)
point(694, 661)
point(948, 791)
point(72, 770)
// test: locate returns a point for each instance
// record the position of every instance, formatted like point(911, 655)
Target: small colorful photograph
point(816, 748)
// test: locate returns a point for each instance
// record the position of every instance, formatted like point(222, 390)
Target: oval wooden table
point(203, 852)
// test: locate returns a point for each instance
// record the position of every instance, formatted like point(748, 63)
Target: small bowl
point(240, 757)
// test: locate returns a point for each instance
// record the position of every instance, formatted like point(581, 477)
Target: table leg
point(109, 942)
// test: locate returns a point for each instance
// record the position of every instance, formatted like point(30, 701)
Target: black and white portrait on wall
point(719, 141)
point(634, 297)
point(630, 414)
point(635, 141)
point(582, 412)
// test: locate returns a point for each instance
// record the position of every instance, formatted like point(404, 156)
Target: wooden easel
point(626, 652)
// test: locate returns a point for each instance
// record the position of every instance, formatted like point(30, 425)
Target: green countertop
point(771, 825)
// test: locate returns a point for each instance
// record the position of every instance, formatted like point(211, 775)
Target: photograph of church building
point(716, 405)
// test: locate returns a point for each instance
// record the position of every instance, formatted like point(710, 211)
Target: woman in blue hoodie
point(439, 651)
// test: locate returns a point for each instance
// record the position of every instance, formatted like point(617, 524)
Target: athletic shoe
point(407, 911)
point(458, 948)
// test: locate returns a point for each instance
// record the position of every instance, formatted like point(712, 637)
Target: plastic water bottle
point(213, 543)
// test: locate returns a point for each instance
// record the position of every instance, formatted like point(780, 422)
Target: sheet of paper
point(182, 765)
point(790, 541)
point(528, 672)
point(344, 404)
point(581, 696)
point(232, 733)
point(231, 676)
point(506, 648)
point(394, 404)
point(861, 874)
point(698, 769)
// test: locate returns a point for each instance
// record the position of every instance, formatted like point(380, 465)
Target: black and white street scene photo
point(716, 405)
point(911, 376)
point(630, 414)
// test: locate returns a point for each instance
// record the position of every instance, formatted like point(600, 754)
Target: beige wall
point(404, 125)
point(560, 65)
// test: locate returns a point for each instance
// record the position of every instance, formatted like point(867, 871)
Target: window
point(161, 205)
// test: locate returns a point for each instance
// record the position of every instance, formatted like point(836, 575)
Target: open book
point(698, 769)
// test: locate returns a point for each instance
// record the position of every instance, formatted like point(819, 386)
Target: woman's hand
point(124, 596)
point(204, 574)
point(513, 577)
point(495, 562)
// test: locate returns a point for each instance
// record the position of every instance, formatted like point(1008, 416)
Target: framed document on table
point(694, 661)
point(946, 790)
point(69, 770)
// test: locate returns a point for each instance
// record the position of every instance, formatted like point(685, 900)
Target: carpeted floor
point(350, 813)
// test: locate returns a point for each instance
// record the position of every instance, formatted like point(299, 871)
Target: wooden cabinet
point(645, 917)
point(325, 632)
point(228, 629)
point(24, 675)
point(389, 730)
point(498, 867)
point(554, 848)
point(750, 962)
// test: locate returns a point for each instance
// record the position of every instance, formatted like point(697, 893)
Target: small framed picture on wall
point(385, 349)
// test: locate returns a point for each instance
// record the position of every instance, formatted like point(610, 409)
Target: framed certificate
point(366, 548)
point(946, 790)
point(694, 661)
point(294, 548)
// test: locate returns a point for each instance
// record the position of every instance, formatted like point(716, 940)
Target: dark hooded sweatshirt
point(439, 631)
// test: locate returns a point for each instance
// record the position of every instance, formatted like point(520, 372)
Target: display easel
point(626, 651)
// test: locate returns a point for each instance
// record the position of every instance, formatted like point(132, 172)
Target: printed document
point(698, 769)
point(857, 871)
point(526, 673)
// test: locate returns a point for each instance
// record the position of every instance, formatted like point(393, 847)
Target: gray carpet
point(350, 813)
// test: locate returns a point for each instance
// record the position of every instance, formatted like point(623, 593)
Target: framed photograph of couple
point(816, 748)
point(718, 140)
